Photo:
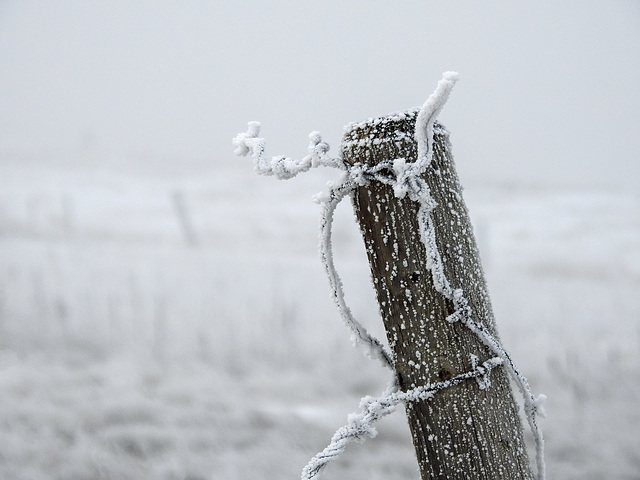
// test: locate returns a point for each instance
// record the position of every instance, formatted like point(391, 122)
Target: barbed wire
point(405, 179)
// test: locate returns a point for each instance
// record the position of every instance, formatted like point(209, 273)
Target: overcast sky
point(548, 89)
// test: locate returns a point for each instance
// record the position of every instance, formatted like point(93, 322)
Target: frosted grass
point(127, 352)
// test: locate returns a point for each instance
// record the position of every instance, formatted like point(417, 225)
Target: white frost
point(249, 143)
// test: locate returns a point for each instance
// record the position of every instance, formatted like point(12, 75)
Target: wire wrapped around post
point(407, 178)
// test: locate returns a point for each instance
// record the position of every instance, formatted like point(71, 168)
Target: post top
point(394, 132)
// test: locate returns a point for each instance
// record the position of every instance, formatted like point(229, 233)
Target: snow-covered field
point(168, 325)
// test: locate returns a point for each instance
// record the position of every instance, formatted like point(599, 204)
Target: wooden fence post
point(466, 431)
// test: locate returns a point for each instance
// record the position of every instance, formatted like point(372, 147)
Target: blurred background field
point(135, 346)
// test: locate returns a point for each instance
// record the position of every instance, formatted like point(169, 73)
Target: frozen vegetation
point(172, 324)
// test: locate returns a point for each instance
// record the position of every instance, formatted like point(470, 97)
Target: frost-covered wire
point(361, 425)
point(373, 347)
point(406, 180)
point(283, 167)
point(249, 143)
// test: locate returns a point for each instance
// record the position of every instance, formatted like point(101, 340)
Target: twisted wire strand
point(373, 346)
point(361, 425)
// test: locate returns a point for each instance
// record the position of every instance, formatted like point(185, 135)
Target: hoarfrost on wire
point(405, 181)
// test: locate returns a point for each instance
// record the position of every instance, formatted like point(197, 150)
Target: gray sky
point(548, 89)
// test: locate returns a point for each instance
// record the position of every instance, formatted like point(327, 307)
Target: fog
point(549, 90)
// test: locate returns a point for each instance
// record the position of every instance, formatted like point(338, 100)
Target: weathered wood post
point(466, 431)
